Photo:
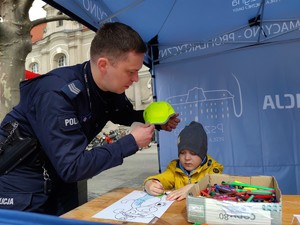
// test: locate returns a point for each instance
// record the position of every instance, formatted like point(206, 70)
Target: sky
point(36, 11)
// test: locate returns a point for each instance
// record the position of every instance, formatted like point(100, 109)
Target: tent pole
point(156, 135)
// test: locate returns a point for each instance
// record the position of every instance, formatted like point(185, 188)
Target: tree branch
point(24, 6)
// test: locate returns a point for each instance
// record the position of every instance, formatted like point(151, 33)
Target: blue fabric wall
point(249, 103)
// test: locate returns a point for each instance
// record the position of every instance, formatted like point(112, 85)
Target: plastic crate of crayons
point(228, 199)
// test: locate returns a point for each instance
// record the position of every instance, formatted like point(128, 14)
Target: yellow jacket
point(174, 178)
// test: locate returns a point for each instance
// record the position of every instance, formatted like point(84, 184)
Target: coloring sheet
point(138, 206)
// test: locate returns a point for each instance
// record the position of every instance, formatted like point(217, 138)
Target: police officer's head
point(114, 40)
point(117, 54)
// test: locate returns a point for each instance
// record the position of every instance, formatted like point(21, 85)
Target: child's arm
point(166, 178)
point(154, 187)
point(179, 194)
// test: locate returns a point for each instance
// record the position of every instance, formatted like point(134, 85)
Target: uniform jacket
point(64, 112)
point(174, 177)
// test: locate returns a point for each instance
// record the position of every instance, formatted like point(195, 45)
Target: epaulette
point(73, 89)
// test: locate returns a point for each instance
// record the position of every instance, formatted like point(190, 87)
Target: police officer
point(64, 110)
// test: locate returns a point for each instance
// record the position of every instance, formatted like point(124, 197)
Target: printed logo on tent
point(240, 37)
point(241, 5)
point(212, 106)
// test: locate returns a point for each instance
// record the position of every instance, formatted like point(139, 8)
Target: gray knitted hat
point(194, 138)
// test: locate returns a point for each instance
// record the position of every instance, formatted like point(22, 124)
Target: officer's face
point(120, 75)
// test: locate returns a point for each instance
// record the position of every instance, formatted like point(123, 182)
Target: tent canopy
point(184, 26)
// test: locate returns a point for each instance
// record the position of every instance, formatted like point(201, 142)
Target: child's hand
point(154, 187)
point(179, 194)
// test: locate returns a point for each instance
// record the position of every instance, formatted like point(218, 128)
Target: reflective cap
point(158, 113)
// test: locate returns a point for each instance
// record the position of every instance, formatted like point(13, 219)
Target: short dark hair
point(114, 40)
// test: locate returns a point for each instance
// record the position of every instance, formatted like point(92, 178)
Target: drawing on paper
point(138, 206)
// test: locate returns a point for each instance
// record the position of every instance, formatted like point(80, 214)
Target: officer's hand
point(143, 134)
point(172, 123)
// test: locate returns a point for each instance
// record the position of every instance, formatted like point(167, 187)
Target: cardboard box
point(211, 211)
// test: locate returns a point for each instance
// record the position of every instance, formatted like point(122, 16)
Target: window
point(60, 23)
point(61, 60)
point(34, 67)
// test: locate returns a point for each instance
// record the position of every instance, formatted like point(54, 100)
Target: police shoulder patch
point(73, 89)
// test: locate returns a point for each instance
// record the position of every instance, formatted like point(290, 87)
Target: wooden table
point(176, 213)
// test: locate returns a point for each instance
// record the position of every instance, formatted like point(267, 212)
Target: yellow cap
point(158, 113)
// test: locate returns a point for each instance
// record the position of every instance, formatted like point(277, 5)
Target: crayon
point(237, 183)
point(250, 198)
point(260, 192)
point(204, 193)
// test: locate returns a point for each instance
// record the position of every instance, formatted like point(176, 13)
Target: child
point(193, 164)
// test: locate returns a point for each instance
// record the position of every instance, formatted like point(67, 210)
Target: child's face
point(189, 159)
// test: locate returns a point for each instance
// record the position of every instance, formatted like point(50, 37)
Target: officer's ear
point(102, 64)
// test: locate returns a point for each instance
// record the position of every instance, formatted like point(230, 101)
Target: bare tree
point(15, 44)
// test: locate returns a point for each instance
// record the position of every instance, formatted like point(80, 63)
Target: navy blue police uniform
point(64, 110)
